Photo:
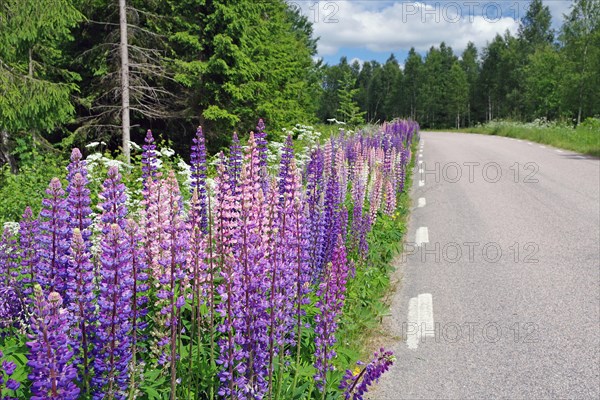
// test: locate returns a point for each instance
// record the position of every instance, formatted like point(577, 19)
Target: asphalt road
point(512, 265)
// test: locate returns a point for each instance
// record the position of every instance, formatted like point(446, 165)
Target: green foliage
point(329, 98)
point(15, 350)
point(458, 92)
point(348, 108)
point(521, 77)
point(543, 83)
point(38, 166)
point(470, 65)
point(585, 138)
point(35, 88)
point(580, 36)
point(412, 82)
point(256, 56)
point(535, 29)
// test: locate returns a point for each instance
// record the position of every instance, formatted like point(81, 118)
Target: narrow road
point(500, 288)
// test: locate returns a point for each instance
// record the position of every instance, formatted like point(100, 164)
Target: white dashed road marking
point(422, 236)
point(420, 320)
point(421, 202)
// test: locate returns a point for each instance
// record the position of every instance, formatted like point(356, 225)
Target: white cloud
point(360, 61)
point(396, 26)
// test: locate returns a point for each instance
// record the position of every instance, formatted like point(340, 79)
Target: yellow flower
point(356, 371)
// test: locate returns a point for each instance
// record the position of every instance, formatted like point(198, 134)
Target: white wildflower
point(13, 227)
point(167, 152)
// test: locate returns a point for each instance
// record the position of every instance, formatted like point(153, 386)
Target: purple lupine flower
point(28, 232)
point(294, 246)
point(12, 309)
point(287, 156)
point(77, 165)
point(112, 347)
point(139, 276)
point(166, 254)
point(198, 167)
point(278, 269)
point(149, 161)
point(342, 172)
point(172, 288)
point(331, 221)
point(196, 256)
point(200, 271)
point(314, 209)
point(358, 194)
point(387, 161)
point(53, 240)
point(155, 219)
point(8, 368)
point(399, 174)
point(242, 223)
point(232, 371)
point(251, 265)
point(261, 142)
point(78, 196)
point(164, 238)
point(357, 213)
point(9, 256)
point(234, 167)
point(358, 183)
point(261, 145)
point(390, 198)
point(291, 246)
point(331, 294)
point(52, 374)
point(80, 289)
point(376, 195)
point(327, 157)
point(356, 383)
point(114, 209)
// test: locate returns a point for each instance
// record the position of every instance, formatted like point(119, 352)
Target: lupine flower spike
point(356, 383)
point(52, 374)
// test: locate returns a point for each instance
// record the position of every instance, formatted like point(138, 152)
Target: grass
point(583, 139)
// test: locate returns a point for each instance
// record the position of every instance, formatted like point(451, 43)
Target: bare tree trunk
point(5, 156)
point(124, 81)
point(469, 113)
point(582, 83)
point(30, 63)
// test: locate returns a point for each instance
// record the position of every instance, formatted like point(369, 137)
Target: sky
point(373, 29)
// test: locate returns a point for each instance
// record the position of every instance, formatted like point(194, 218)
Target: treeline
point(222, 64)
point(539, 73)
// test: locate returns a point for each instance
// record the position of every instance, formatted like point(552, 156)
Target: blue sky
point(373, 29)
